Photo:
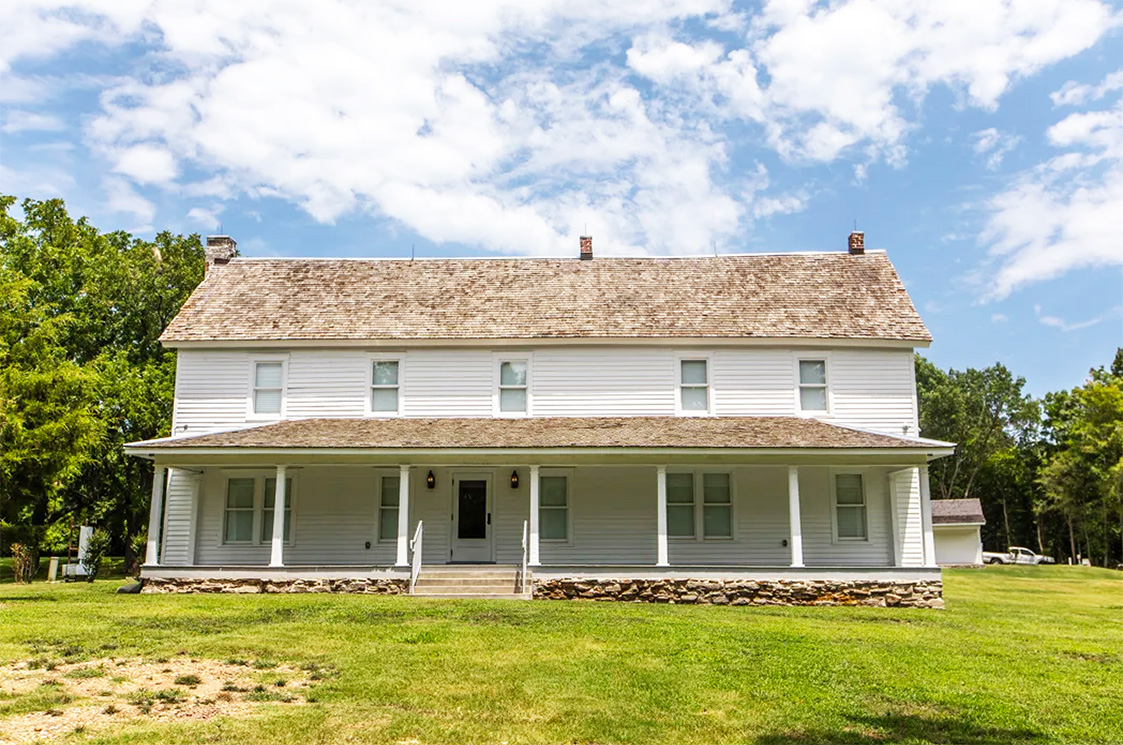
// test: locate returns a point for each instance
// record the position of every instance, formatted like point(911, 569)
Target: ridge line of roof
point(245, 259)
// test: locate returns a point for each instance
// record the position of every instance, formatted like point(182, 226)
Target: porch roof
point(540, 433)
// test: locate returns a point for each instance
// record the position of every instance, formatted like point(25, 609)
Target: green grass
point(1021, 655)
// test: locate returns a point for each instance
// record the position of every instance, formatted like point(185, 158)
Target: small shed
point(955, 528)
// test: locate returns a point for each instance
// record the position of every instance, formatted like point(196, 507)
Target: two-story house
point(720, 429)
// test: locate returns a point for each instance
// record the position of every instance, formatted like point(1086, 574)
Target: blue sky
point(979, 142)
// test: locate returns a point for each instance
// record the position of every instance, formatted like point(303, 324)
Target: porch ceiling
point(609, 438)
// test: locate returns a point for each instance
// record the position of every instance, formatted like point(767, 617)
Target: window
point(239, 510)
point(384, 387)
point(714, 512)
point(388, 508)
point(813, 385)
point(269, 502)
point(849, 506)
point(717, 506)
point(694, 385)
point(512, 386)
point(268, 387)
point(680, 505)
point(553, 508)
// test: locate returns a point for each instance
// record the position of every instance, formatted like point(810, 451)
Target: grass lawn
point(1021, 654)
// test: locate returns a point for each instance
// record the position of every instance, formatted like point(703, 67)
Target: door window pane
point(471, 519)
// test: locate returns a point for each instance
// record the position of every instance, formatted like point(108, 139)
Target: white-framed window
point(850, 522)
point(268, 396)
point(695, 397)
point(708, 518)
point(717, 505)
point(385, 387)
point(513, 392)
point(553, 507)
point(239, 518)
point(268, 504)
point(249, 508)
point(388, 504)
point(813, 390)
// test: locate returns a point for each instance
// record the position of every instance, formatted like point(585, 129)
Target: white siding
point(448, 383)
point(908, 517)
point(327, 384)
point(212, 390)
point(603, 382)
point(180, 510)
point(873, 389)
point(758, 382)
point(956, 544)
point(820, 548)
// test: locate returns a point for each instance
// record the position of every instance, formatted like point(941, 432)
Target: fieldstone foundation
point(880, 593)
point(366, 586)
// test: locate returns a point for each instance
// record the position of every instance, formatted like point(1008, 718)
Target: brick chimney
point(220, 249)
point(857, 243)
point(586, 247)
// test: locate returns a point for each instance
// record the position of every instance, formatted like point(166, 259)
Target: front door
point(471, 525)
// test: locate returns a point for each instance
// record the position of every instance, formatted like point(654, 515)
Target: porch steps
point(468, 581)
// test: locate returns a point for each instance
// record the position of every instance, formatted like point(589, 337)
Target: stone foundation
point(879, 593)
point(365, 586)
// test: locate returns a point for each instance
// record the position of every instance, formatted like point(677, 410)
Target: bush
point(139, 546)
point(25, 562)
point(96, 548)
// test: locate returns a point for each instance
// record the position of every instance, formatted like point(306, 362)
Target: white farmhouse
point(727, 429)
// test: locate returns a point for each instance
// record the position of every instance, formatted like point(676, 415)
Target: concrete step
point(423, 581)
point(472, 596)
point(464, 589)
point(467, 575)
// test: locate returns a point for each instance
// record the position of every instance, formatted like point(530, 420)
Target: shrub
point(139, 546)
point(96, 549)
point(25, 562)
point(188, 680)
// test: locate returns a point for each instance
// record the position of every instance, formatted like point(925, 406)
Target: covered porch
point(566, 503)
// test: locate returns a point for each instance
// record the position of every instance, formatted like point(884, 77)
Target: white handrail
point(526, 547)
point(415, 559)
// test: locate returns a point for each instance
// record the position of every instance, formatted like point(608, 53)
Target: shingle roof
point(545, 432)
point(829, 296)
point(954, 511)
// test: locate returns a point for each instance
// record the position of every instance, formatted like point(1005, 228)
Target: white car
point(1016, 555)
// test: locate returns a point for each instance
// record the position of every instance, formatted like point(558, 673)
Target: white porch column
point(403, 517)
point(895, 518)
point(661, 554)
point(155, 516)
point(532, 549)
point(277, 553)
point(926, 518)
point(795, 539)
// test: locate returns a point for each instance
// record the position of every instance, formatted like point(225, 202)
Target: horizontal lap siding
point(179, 516)
point(603, 382)
point(909, 517)
point(448, 383)
point(758, 382)
point(327, 384)
point(873, 389)
point(212, 390)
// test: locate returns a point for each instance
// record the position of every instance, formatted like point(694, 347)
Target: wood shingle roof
point(819, 296)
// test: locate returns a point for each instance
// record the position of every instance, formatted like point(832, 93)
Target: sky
point(979, 142)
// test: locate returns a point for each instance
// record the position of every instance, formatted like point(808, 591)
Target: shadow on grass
point(28, 598)
point(868, 728)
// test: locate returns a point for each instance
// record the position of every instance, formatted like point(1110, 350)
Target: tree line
point(82, 372)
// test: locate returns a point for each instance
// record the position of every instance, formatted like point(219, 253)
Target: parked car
point(1016, 555)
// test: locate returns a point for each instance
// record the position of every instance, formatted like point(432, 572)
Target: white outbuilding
point(955, 529)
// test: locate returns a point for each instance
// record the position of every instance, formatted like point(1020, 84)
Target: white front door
point(471, 522)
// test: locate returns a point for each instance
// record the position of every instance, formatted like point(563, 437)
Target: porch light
point(431, 480)
point(514, 479)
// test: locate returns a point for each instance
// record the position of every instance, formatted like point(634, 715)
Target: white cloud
point(999, 318)
point(1065, 213)
point(485, 122)
point(208, 218)
point(994, 145)
point(30, 121)
point(1074, 94)
point(122, 197)
point(1060, 323)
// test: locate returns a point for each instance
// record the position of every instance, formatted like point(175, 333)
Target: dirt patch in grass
point(41, 702)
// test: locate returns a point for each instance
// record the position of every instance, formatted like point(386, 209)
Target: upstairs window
point(268, 387)
point(849, 507)
point(513, 386)
point(384, 388)
point(694, 385)
point(813, 385)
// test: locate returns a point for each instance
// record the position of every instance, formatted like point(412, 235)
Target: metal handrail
point(526, 548)
point(415, 559)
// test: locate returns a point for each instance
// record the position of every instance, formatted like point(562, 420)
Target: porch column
point(403, 517)
point(532, 548)
point(661, 554)
point(277, 553)
point(155, 515)
point(926, 518)
point(795, 539)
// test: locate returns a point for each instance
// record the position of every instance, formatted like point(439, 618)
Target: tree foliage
point(81, 367)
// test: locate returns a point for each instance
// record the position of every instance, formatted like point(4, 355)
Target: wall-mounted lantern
point(431, 480)
point(514, 479)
